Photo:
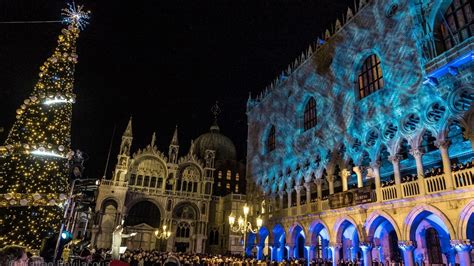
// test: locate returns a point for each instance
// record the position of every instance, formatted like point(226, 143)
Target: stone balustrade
point(434, 184)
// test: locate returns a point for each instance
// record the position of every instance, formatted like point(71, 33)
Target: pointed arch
point(341, 224)
point(373, 221)
point(465, 219)
point(419, 212)
point(296, 227)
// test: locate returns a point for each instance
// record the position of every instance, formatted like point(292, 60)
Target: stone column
point(288, 192)
point(335, 247)
point(395, 159)
point(418, 154)
point(407, 249)
point(298, 195)
point(463, 248)
point(344, 176)
point(443, 146)
point(358, 171)
point(367, 253)
point(379, 252)
point(330, 179)
point(272, 255)
point(378, 189)
point(281, 194)
point(310, 250)
point(319, 188)
point(307, 186)
point(291, 250)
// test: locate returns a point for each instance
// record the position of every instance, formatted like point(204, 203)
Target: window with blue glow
point(310, 114)
point(271, 140)
point(370, 77)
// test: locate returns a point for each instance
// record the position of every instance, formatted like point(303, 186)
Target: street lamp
point(163, 235)
point(243, 226)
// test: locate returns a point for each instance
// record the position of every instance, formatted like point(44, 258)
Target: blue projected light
point(449, 68)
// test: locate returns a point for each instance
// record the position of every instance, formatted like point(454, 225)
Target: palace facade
point(363, 148)
point(192, 195)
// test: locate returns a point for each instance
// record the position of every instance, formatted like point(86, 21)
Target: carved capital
point(395, 158)
point(416, 152)
point(375, 164)
point(357, 169)
point(281, 193)
point(307, 185)
point(365, 246)
point(288, 191)
point(335, 245)
point(345, 173)
point(318, 181)
point(442, 144)
point(330, 178)
point(407, 245)
point(298, 189)
point(463, 245)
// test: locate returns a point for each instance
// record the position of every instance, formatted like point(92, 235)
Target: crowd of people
point(18, 256)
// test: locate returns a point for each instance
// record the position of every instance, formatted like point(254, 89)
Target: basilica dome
point(214, 140)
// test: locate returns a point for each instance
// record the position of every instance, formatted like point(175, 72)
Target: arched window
point(132, 179)
point(310, 114)
point(271, 139)
point(370, 77)
point(456, 25)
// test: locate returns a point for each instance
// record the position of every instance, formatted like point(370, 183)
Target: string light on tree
point(33, 164)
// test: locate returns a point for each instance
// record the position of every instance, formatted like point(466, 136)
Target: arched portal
point(185, 218)
point(382, 233)
point(279, 249)
point(319, 236)
point(143, 212)
point(432, 237)
point(144, 217)
point(298, 240)
point(348, 236)
point(262, 243)
point(108, 220)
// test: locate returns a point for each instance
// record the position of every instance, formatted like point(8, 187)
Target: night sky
point(163, 62)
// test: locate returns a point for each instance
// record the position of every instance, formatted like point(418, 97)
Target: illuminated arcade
point(362, 149)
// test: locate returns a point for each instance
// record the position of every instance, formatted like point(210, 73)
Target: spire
point(174, 141)
point(153, 138)
point(128, 131)
point(215, 110)
point(191, 148)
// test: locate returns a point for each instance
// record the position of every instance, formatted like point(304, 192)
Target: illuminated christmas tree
point(33, 167)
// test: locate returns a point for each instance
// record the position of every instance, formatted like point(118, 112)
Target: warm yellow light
point(231, 219)
point(259, 222)
point(168, 234)
point(157, 232)
point(241, 221)
point(164, 228)
point(246, 210)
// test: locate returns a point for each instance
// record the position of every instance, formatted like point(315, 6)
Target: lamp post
point(243, 226)
point(163, 235)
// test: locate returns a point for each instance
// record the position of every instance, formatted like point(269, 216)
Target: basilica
point(190, 196)
point(363, 148)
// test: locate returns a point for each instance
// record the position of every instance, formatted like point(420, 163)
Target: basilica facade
point(363, 148)
point(188, 194)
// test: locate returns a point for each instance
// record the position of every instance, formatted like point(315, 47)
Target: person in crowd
point(13, 256)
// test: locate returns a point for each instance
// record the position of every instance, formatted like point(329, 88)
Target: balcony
point(431, 185)
point(461, 179)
